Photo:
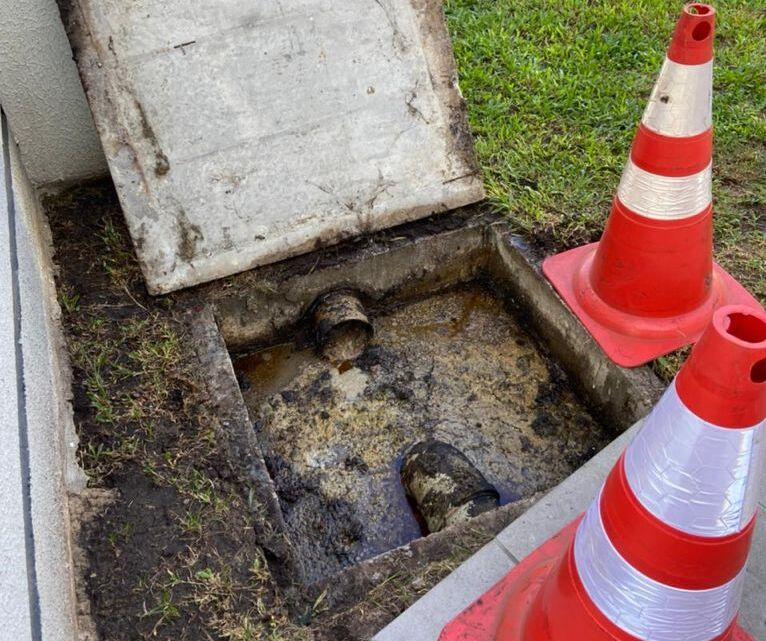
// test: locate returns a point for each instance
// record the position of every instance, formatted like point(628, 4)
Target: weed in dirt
point(164, 611)
point(69, 301)
point(666, 367)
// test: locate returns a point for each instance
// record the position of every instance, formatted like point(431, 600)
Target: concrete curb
point(37, 457)
point(43, 96)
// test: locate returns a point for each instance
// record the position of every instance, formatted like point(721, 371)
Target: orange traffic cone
point(650, 285)
point(660, 554)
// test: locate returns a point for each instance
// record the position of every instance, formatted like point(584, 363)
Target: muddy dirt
point(455, 367)
point(172, 553)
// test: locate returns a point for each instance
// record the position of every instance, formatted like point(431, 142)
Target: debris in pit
point(445, 486)
point(453, 367)
point(342, 328)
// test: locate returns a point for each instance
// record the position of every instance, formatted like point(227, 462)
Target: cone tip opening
point(746, 327)
point(698, 9)
point(692, 42)
point(702, 23)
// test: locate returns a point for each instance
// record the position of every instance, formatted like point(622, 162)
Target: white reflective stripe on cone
point(664, 197)
point(692, 475)
point(682, 99)
point(641, 606)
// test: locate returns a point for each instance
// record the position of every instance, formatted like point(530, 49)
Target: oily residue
point(454, 367)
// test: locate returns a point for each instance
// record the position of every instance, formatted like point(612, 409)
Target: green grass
point(555, 90)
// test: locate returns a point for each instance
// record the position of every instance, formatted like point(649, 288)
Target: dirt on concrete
point(359, 602)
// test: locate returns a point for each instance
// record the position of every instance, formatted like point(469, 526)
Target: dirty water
point(454, 367)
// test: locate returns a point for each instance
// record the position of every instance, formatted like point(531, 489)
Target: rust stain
point(161, 162)
point(189, 235)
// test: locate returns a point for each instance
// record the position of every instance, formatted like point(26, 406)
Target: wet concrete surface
point(454, 367)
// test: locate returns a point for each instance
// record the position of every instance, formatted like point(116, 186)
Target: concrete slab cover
point(240, 133)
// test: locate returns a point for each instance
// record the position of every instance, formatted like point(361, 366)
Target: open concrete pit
point(469, 349)
point(455, 367)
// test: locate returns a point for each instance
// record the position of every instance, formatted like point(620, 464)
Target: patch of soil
point(174, 554)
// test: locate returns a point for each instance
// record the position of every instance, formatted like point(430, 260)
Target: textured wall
point(42, 95)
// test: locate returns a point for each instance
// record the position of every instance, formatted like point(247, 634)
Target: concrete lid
point(241, 133)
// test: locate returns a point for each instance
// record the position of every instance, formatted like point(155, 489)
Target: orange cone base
point(501, 613)
point(511, 597)
point(627, 339)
